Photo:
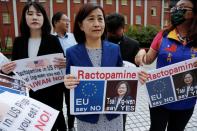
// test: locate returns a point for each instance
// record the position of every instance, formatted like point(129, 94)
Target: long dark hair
point(24, 28)
point(83, 12)
point(192, 32)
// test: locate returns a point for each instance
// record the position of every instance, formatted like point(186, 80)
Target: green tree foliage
point(144, 35)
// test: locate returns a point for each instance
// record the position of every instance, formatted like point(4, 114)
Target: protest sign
point(12, 85)
point(172, 83)
point(104, 90)
point(40, 72)
point(21, 113)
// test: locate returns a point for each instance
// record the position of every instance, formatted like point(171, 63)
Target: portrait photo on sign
point(185, 84)
point(121, 95)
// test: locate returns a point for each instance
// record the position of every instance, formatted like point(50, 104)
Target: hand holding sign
point(60, 62)
point(95, 92)
point(42, 71)
point(70, 81)
point(8, 67)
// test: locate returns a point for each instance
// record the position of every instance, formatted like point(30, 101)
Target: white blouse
point(33, 46)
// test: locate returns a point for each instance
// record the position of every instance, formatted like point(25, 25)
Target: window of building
point(153, 11)
point(166, 22)
point(59, 1)
point(166, 4)
point(138, 20)
point(8, 41)
point(124, 2)
point(42, 0)
point(4, 0)
point(23, 0)
point(93, 1)
point(109, 2)
point(138, 3)
point(125, 18)
point(6, 18)
point(76, 1)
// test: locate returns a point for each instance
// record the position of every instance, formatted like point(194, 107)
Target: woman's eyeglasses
point(181, 8)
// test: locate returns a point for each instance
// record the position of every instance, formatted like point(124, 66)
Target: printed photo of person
point(191, 83)
point(121, 95)
point(185, 84)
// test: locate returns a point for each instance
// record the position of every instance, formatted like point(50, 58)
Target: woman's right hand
point(8, 68)
point(70, 81)
point(143, 76)
point(139, 58)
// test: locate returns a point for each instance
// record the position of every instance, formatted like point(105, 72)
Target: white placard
point(40, 72)
point(104, 90)
point(21, 113)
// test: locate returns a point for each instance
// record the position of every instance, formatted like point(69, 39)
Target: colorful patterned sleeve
point(156, 41)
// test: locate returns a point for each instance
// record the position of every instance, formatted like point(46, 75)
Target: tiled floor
point(139, 120)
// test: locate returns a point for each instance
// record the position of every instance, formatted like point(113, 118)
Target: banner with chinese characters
point(40, 72)
point(21, 113)
point(104, 90)
point(12, 85)
point(172, 83)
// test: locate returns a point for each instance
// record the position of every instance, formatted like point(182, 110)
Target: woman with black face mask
point(172, 45)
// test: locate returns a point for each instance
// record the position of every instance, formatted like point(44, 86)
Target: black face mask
point(115, 39)
point(178, 16)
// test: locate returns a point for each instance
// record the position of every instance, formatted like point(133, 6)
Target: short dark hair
point(114, 21)
point(83, 12)
point(24, 28)
point(56, 17)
